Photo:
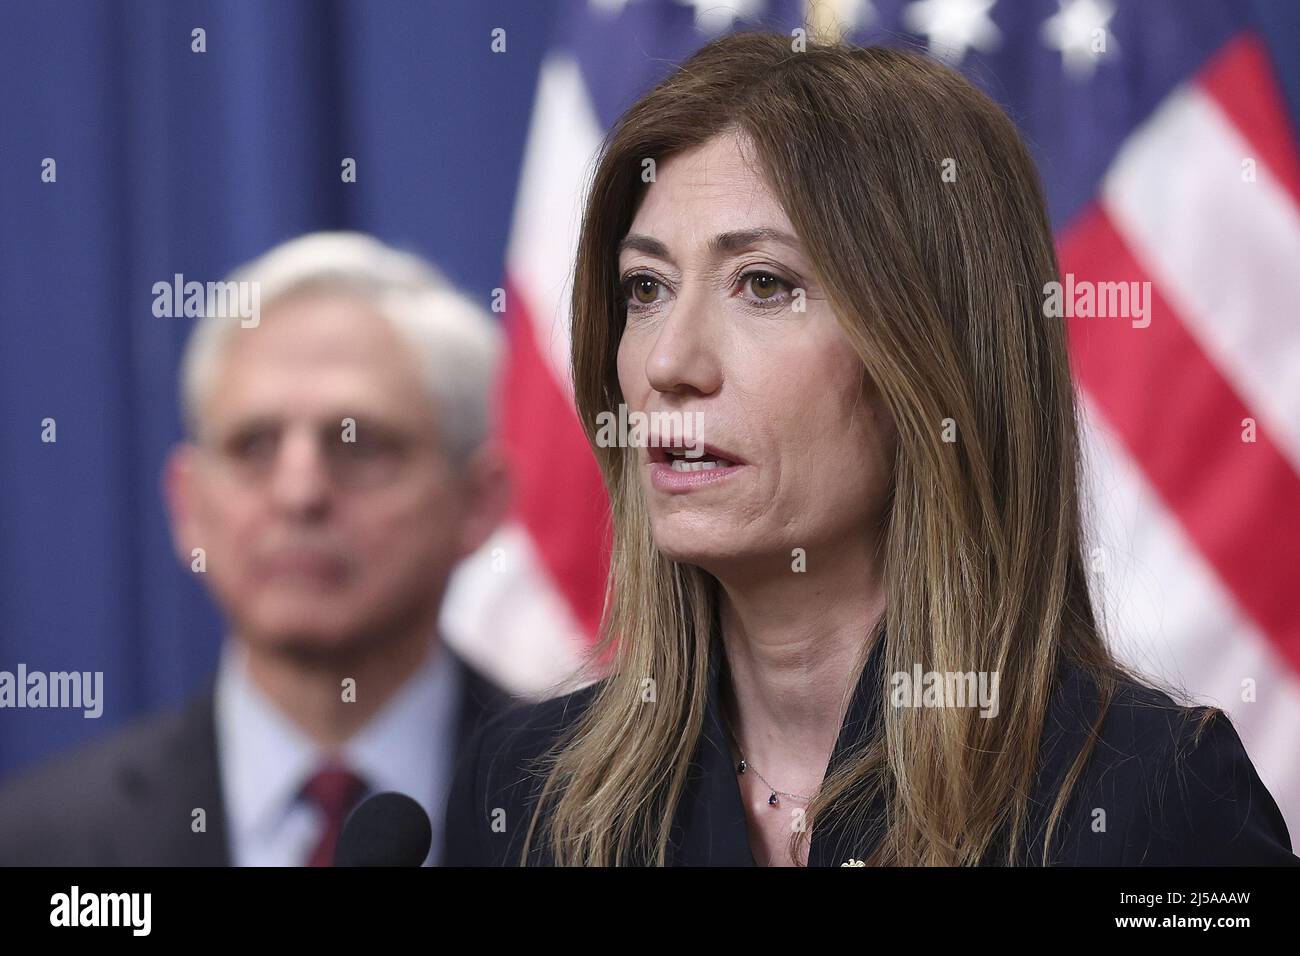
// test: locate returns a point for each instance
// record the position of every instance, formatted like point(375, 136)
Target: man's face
point(320, 534)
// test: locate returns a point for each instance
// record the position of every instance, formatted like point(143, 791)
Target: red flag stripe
point(1241, 81)
point(1180, 420)
point(559, 496)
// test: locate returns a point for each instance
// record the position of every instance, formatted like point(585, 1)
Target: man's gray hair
point(456, 343)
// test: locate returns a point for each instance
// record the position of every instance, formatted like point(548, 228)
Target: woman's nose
point(685, 356)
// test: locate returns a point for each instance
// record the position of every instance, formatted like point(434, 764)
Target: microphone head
point(388, 829)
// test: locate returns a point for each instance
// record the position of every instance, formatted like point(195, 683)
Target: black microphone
point(388, 829)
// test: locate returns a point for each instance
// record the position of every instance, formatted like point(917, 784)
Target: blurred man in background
point(337, 468)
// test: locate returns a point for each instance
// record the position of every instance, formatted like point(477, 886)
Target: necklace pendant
point(772, 801)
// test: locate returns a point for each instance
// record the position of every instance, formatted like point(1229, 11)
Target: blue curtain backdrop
point(172, 161)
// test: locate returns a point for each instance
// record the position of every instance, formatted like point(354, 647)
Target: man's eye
point(362, 448)
point(252, 446)
point(368, 447)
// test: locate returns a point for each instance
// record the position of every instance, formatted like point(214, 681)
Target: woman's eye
point(763, 287)
point(643, 289)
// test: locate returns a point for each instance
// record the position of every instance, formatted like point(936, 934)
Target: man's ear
point(486, 483)
point(179, 494)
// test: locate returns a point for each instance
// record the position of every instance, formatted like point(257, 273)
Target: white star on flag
point(608, 7)
point(951, 27)
point(1080, 30)
point(715, 16)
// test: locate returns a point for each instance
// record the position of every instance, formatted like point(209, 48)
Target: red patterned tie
point(335, 791)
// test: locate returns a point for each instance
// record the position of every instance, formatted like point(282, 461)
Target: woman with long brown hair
point(850, 617)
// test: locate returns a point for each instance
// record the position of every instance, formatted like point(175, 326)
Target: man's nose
point(685, 355)
point(300, 483)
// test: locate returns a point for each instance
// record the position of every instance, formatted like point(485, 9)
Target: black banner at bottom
point(541, 907)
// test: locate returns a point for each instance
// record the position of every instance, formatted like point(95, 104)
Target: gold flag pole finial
point(823, 19)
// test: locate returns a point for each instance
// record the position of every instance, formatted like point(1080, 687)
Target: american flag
point(1169, 157)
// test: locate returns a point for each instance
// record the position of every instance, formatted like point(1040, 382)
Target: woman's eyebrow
point(729, 243)
point(636, 242)
point(723, 244)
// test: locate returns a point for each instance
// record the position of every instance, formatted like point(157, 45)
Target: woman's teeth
point(705, 464)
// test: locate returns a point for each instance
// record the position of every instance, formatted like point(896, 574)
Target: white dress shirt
point(407, 746)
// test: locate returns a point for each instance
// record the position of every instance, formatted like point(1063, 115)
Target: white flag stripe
point(1224, 252)
point(503, 614)
point(1167, 614)
point(563, 138)
point(503, 611)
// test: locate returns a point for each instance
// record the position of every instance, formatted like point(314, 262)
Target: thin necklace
point(745, 766)
point(772, 801)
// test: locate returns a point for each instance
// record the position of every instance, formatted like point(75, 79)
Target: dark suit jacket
point(127, 800)
point(1208, 807)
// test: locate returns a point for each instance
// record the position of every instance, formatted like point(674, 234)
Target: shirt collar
point(265, 758)
point(402, 747)
point(710, 828)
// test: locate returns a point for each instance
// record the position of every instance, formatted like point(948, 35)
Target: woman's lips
point(677, 468)
point(667, 479)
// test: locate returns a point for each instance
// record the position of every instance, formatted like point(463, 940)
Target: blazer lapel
point(709, 828)
point(479, 700)
point(160, 790)
point(837, 842)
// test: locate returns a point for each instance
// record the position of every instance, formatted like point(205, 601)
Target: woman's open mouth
point(681, 461)
point(676, 470)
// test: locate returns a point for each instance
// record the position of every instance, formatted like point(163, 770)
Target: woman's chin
point(711, 552)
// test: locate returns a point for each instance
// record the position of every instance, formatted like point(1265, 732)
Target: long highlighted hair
point(938, 287)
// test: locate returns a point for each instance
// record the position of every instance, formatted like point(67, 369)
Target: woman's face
point(728, 325)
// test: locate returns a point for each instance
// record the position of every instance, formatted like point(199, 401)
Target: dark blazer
point(1206, 808)
point(128, 800)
